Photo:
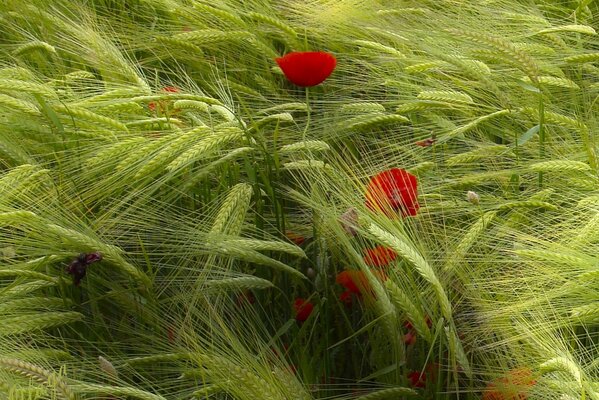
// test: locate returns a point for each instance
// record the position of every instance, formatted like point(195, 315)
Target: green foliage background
point(192, 198)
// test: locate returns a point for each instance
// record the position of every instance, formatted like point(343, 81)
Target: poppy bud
point(473, 197)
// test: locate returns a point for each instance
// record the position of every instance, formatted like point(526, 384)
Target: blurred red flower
point(355, 282)
point(409, 338)
point(393, 190)
point(295, 237)
point(417, 379)
point(303, 309)
point(307, 68)
point(379, 256)
point(166, 89)
point(514, 385)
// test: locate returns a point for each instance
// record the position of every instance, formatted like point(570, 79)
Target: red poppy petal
point(307, 68)
point(379, 256)
point(302, 308)
point(393, 190)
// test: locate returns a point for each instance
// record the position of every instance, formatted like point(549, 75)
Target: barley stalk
point(469, 238)
point(472, 124)
point(231, 214)
point(560, 166)
point(582, 58)
point(308, 145)
point(175, 96)
point(197, 176)
point(86, 115)
point(555, 81)
point(306, 165)
point(370, 121)
point(404, 304)
point(171, 150)
point(518, 57)
point(113, 151)
point(274, 22)
point(191, 105)
point(264, 245)
point(588, 313)
point(28, 322)
point(362, 107)
point(19, 105)
point(456, 348)
point(109, 252)
point(37, 374)
point(25, 288)
point(380, 48)
point(423, 67)
point(584, 29)
point(252, 256)
point(205, 147)
point(289, 107)
point(388, 394)
point(480, 153)
point(424, 269)
point(239, 283)
point(447, 96)
point(562, 364)
point(28, 274)
point(220, 14)
point(31, 303)
point(19, 86)
point(116, 391)
point(425, 105)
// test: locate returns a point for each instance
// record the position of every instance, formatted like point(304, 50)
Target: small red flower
point(307, 68)
point(417, 379)
point(393, 190)
point(355, 282)
point(166, 89)
point(426, 142)
point(295, 238)
point(379, 256)
point(346, 298)
point(352, 281)
point(513, 386)
point(409, 338)
point(245, 298)
point(303, 309)
point(170, 89)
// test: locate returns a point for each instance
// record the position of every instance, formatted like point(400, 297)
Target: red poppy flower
point(513, 386)
point(356, 282)
point(352, 281)
point(346, 298)
point(303, 309)
point(409, 338)
point(307, 68)
point(245, 298)
point(393, 190)
point(166, 89)
point(417, 379)
point(379, 256)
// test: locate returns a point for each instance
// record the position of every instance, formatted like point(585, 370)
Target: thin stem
point(541, 135)
point(308, 116)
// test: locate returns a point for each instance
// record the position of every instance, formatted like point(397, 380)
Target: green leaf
point(528, 135)
point(529, 87)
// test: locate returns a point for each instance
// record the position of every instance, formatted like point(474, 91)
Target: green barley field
point(299, 199)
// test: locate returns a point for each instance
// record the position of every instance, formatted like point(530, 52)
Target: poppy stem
point(308, 116)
